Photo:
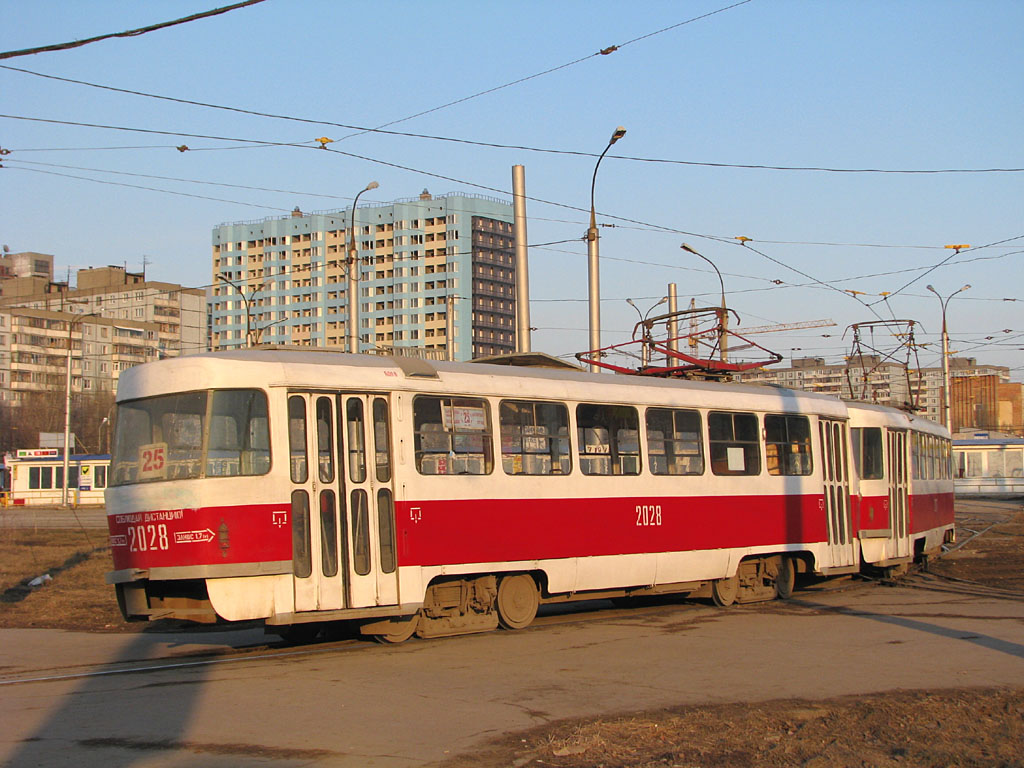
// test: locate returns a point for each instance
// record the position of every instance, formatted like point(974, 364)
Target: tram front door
point(343, 537)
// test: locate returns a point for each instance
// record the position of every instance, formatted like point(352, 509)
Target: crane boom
point(786, 327)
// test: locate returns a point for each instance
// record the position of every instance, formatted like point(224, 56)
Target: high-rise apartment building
point(429, 268)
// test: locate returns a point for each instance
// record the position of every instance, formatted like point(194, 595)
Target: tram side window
point(734, 444)
point(534, 438)
point(674, 442)
point(452, 436)
point(787, 445)
point(609, 439)
point(867, 452)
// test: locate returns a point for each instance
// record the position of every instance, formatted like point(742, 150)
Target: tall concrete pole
point(593, 258)
point(67, 422)
point(673, 324)
point(449, 327)
point(946, 385)
point(522, 260)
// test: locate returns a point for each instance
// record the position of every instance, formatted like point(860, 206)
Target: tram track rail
point(981, 520)
point(552, 616)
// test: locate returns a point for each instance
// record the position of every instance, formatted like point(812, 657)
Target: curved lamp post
point(593, 265)
point(946, 388)
point(645, 356)
point(248, 312)
point(352, 291)
point(723, 314)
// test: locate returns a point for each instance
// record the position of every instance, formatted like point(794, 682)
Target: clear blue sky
point(928, 84)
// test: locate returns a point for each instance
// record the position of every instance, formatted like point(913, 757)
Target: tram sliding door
point(372, 556)
point(343, 540)
point(316, 516)
point(836, 477)
point(899, 515)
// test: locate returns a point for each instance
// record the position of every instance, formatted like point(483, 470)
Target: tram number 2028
point(142, 538)
point(648, 514)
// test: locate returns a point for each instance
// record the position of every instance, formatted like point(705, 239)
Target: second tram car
point(300, 487)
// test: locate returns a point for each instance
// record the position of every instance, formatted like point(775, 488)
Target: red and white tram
point(300, 487)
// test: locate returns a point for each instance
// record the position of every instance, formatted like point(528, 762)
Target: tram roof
point(307, 367)
point(883, 415)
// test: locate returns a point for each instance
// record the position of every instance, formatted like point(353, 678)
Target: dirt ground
point(959, 727)
point(962, 727)
point(914, 728)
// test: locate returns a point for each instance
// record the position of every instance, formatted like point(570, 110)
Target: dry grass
point(77, 596)
point(921, 728)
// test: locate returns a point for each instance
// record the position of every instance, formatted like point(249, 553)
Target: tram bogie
point(304, 487)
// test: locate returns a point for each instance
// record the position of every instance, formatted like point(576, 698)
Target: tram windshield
point(217, 433)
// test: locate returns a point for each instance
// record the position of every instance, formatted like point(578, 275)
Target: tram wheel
point(518, 600)
point(724, 591)
point(399, 630)
point(785, 581)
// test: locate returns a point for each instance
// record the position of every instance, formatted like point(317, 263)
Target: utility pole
point(352, 288)
point(946, 386)
point(523, 342)
point(723, 312)
point(593, 258)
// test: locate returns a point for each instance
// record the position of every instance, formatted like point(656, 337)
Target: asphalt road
point(76, 699)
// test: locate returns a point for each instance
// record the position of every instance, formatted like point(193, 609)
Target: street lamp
point(67, 412)
point(593, 265)
point(644, 351)
point(947, 391)
point(723, 313)
point(352, 291)
point(245, 303)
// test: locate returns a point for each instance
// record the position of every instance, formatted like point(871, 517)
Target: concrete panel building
point(429, 268)
point(113, 320)
point(872, 379)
